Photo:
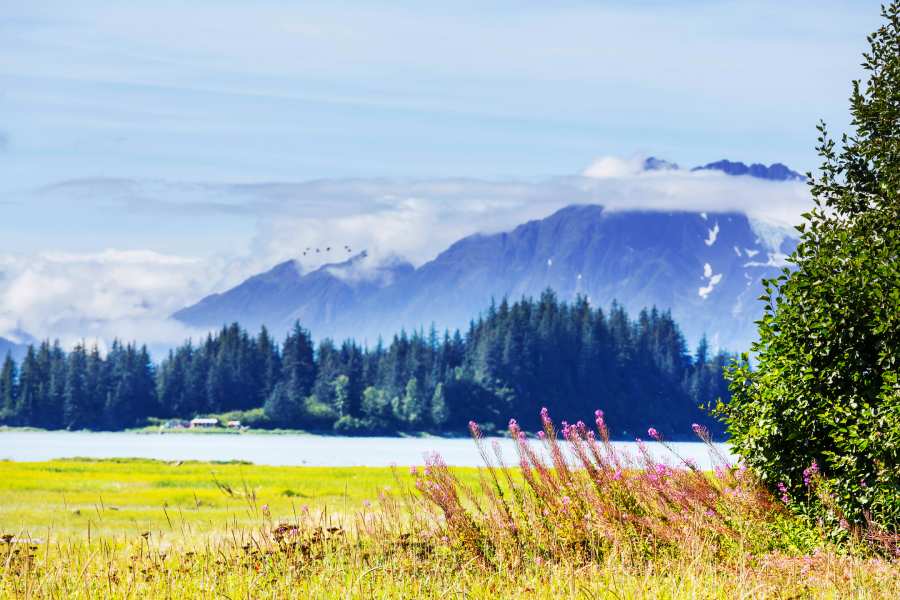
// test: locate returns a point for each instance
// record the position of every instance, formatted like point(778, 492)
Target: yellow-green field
point(129, 496)
point(149, 529)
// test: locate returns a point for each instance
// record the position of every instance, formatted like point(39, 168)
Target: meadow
point(579, 520)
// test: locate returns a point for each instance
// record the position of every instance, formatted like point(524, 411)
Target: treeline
point(513, 360)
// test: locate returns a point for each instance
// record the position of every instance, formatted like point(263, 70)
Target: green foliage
point(825, 388)
point(283, 408)
point(516, 358)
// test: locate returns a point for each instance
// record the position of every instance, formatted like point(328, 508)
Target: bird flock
point(327, 249)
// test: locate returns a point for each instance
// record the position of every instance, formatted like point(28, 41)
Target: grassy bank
point(130, 496)
point(599, 526)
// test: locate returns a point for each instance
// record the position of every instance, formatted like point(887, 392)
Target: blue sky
point(130, 126)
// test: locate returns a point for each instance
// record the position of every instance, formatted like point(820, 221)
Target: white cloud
point(114, 292)
point(614, 167)
point(99, 296)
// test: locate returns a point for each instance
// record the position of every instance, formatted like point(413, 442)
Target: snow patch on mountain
point(771, 235)
point(713, 235)
point(712, 281)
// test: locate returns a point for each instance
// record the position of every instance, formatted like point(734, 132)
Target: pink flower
point(545, 415)
point(541, 435)
point(810, 472)
point(617, 475)
point(653, 433)
point(784, 492)
point(413, 471)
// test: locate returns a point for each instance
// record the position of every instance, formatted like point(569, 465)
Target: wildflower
point(545, 416)
point(513, 425)
point(617, 475)
point(521, 436)
point(539, 561)
point(862, 483)
point(844, 524)
point(653, 433)
point(367, 504)
point(541, 435)
point(473, 427)
point(810, 472)
point(710, 512)
point(265, 509)
point(784, 495)
point(413, 471)
point(566, 501)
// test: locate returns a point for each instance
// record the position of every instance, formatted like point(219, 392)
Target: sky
point(154, 151)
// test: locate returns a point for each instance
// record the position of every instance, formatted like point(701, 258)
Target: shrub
point(818, 418)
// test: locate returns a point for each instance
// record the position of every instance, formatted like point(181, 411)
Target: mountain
point(16, 350)
point(706, 268)
point(774, 172)
point(283, 295)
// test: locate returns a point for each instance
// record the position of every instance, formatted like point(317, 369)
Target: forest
point(514, 359)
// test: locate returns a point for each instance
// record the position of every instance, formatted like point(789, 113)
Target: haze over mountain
point(705, 267)
point(13, 349)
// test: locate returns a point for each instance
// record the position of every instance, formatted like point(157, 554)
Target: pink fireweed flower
point(810, 472)
point(413, 471)
point(367, 504)
point(473, 427)
point(541, 435)
point(653, 433)
point(566, 501)
point(784, 492)
point(617, 475)
point(513, 425)
point(265, 509)
point(521, 436)
point(545, 415)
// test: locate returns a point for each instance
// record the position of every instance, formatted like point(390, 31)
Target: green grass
point(128, 496)
point(172, 530)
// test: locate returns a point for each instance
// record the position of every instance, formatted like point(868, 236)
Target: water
point(311, 450)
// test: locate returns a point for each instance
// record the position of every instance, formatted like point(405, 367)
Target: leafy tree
point(826, 389)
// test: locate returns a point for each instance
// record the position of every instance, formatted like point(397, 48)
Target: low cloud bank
point(129, 294)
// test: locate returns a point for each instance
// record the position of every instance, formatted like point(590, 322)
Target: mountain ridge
point(705, 268)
